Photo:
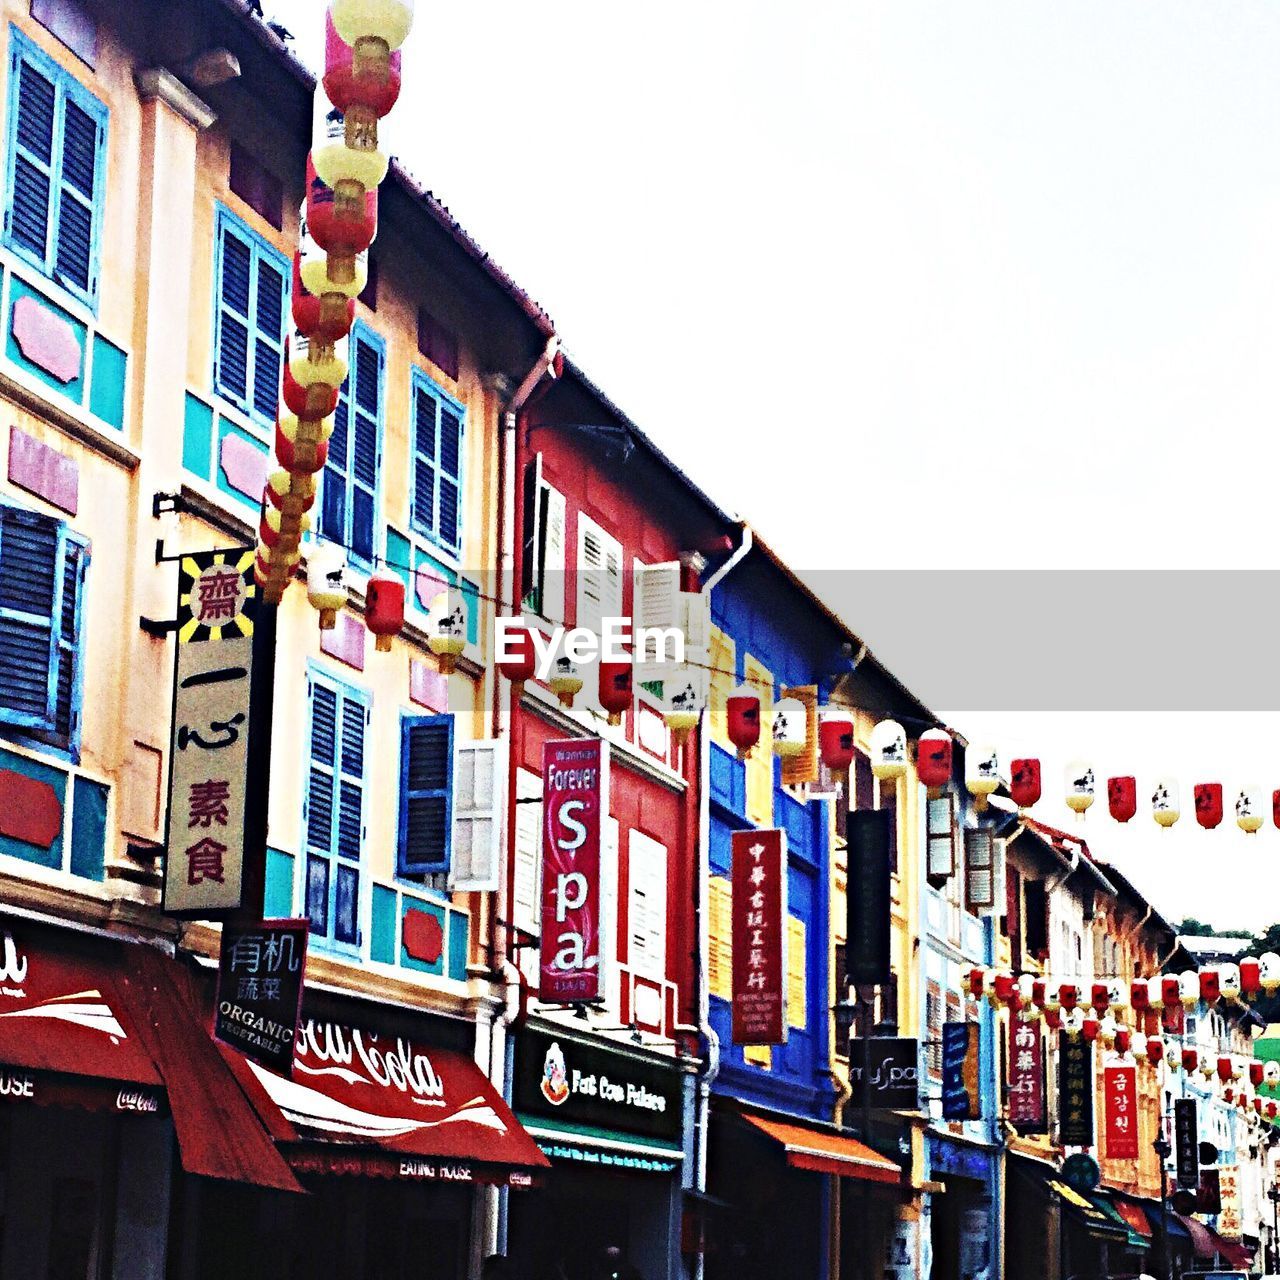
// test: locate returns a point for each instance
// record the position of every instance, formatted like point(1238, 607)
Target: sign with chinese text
point(1230, 1225)
point(1120, 1111)
point(1075, 1092)
point(1027, 1111)
point(1208, 1198)
point(894, 1072)
point(575, 803)
point(1186, 1142)
point(209, 753)
point(960, 1071)
point(759, 906)
point(869, 832)
point(260, 971)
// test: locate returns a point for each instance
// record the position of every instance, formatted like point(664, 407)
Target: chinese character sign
point(575, 803)
point(1026, 1078)
point(759, 878)
point(1230, 1223)
point(961, 1099)
point(209, 753)
point(260, 972)
point(1120, 1100)
point(1186, 1142)
point(1075, 1092)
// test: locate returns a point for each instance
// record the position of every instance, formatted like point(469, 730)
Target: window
point(720, 929)
point(437, 464)
point(933, 1029)
point(426, 794)
point(438, 343)
point(257, 186)
point(349, 493)
point(56, 170)
point(333, 815)
point(724, 661)
point(797, 978)
point(250, 282)
point(42, 576)
point(599, 576)
point(647, 907)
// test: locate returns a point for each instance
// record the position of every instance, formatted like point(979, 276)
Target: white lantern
point(1072, 1023)
point(565, 680)
point(1249, 809)
point(386, 21)
point(1155, 992)
point(1080, 785)
point(888, 750)
point(1271, 1074)
point(1026, 988)
point(1229, 981)
point(1138, 1046)
point(682, 699)
point(1269, 972)
point(1107, 1029)
point(447, 629)
point(981, 773)
point(313, 363)
point(1189, 988)
point(1166, 806)
point(327, 582)
point(1118, 989)
point(790, 727)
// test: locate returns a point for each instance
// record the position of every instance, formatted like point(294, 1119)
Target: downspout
point(707, 1079)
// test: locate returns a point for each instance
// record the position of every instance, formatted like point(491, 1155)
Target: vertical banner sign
point(868, 833)
point(759, 904)
point(1120, 1098)
point(1027, 1111)
point(575, 802)
point(1230, 1222)
point(1186, 1142)
point(259, 1004)
point(1075, 1092)
point(961, 1099)
point(209, 754)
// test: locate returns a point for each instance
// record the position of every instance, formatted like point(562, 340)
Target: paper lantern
point(835, 739)
point(1210, 991)
point(1039, 992)
point(1250, 977)
point(276, 525)
point(565, 680)
point(1090, 1026)
point(1080, 786)
point(342, 231)
point(790, 727)
point(1190, 1058)
point(1068, 995)
point(682, 700)
point(1100, 996)
point(317, 399)
point(1005, 986)
point(1269, 972)
point(1228, 1095)
point(934, 759)
point(1257, 1072)
point(616, 688)
point(1224, 1068)
point(1108, 1030)
point(1052, 995)
point(888, 750)
point(385, 22)
point(326, 277)
point(447, 630)
point(1122, 797)
point(1208, 804)
point(1275, 807)
point(1229, 981)
point(1071, 1022)
point(300, 457)
point(1271, 1073)
point(384, 615)
point(1156, 992)
point(1155, 1049)
point(347, 160)
point(977, 979)
point(1118, 992)
point(517, 657)
point(1025, 991)
point(1166, 807)
point(1272, 1110)
point(373, 84)
point(1249, 810)
point(327, 319)
point(742, 719)
point(981, 773)
point(1053, 1018)
point(1189, 989)
point(1171, 991)
point(1024, 782)
point(1139, 995)
point(292, 494)
point(1138, 1046)
point(327, 582)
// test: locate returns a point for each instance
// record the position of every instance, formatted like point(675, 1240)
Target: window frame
point(227, 221)
point(409, 719)
point(65, 86)
point(421, 383)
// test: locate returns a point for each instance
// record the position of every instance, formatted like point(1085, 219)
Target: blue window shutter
point(450, 476)
point(70, 691)
point(321, 778)
point(33, 102)
point(74, 251)
point(437, 473)
point(31, 623)
point(231, 374)
point(268, 352)
point(349, 493)
point(426, 410)
point(426, 795)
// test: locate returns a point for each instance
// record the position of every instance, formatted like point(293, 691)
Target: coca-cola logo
point(393, 1066)
point(14, 1084)
point(13, 967)
point(137, 1100)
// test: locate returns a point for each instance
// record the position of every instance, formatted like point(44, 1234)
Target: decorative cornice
point(157, 82)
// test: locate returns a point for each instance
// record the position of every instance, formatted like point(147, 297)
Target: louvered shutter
point(32, 623)
point(479, 815)
point(30, 208)
point(655, 603)
point(610, 974)
point(599, 576)
point(234, 298)
point(527, 877)
point(350, 826)
point(532, 546)
point(720, 929)
point(797, 975)
point(268, 348)
point(803, 768)
point(74, 570)
point(553, 576)
point(426, 410)
point(369, 363)
point(450, 503)
point(647, 906)
point(979, 869)
point(723, 660)
point(426, 794)
point(940, 834)
point(320, 808)
point(73, 258)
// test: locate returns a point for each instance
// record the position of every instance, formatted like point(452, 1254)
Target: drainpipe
point(707, 1079)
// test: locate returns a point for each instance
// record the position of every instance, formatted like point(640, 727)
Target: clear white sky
point(1008, 270)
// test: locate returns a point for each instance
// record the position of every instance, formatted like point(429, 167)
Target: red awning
point(1232, 1252)
point(1133, 1216)
point(822, 1151)
point(368, 1103)
point(1209, 1245)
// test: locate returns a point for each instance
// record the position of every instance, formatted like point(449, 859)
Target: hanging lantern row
point(338, 223)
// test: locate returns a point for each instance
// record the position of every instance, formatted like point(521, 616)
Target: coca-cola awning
point(362, 1102)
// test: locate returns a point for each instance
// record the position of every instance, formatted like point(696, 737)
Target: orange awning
point(822, 1151)
point(1133, 1215)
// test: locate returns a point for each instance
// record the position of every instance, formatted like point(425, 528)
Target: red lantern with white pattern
point(835, 739)
point(742, 719)
point(615, 689)
point(384, 615)
point(1122, 797)
point(934, 759)
point(1024, 782)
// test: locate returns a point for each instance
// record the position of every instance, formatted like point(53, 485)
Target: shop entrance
point(960, 1232)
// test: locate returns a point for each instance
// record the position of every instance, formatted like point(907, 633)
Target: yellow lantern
point(385, 21)
point(347, 160)
point(327, 582)
point(888, 750)
point(315, 363)
point(790, 727)
point(682, 699)
point(1249, 809)
point(1166, 807)
point(1081, 786)
point(566, 680)
point(318, 276)
point(305, 430)
point(981, 773)
point(447, 629)
point(293, 494)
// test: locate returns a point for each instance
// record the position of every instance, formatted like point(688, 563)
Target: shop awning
point(1210, 1246)
point(823, 1151)
point(366, 1103)
point(1129, 1218)
point(1135, 1218)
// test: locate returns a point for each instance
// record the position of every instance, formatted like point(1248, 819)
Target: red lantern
point(358, 82)
point(1005, 987)
point(1039, 993)
point(742, 714)
point(1257, 1105)
point(835, 739)
point(1228, 1095)
point(1208, 804)
point(1210, 986)
point(1256, 1071)
point(1139, 995)
point(1275, 807)
point(615, 688)
point(977, 983)
point(517, 657)
point(384, 615)
point(1272, 1110)
point(316, 401)
point(1155, 1049)
point(1190, 1059)
point(1053, 1019)
point(1024, 783)
point(343, 230)
point(1171, 990)
point(1089, 1028)
point(327, 319)
point(1250, 977)
point(301, 458)
point(934, 758)
point(1069, 995)
point(1224, 1069)
point(1124, 1037)
point(1122, 798)
point(1100, 996)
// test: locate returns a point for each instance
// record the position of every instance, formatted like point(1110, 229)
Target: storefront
point(611, 1121)
point(964, 1216)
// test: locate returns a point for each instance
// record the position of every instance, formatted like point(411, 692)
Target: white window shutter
point(940, 827)
point(647, 907)
point(479, 815)
point(979, 869)
point(655, 603)
point(526, 884)
point(611, 978)
point(696, 610)
point(553, 599)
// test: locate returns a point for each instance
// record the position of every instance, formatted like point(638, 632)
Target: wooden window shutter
point(980, 869)
point(426, 794)
point(723, 672)
point(941, 837)
point(655, 602)
point(803, 768)
point(526, 881)
point(720, 928)
point(647, 906)
point(479, 815)
point(797, 977)
point(864, 782)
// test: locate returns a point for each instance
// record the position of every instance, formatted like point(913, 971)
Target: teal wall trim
point(52, 856)
point(382, 925)
point(197, 438)
point(89, 829)
point(277, 901)
point(73, 390)
point(106, 396)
